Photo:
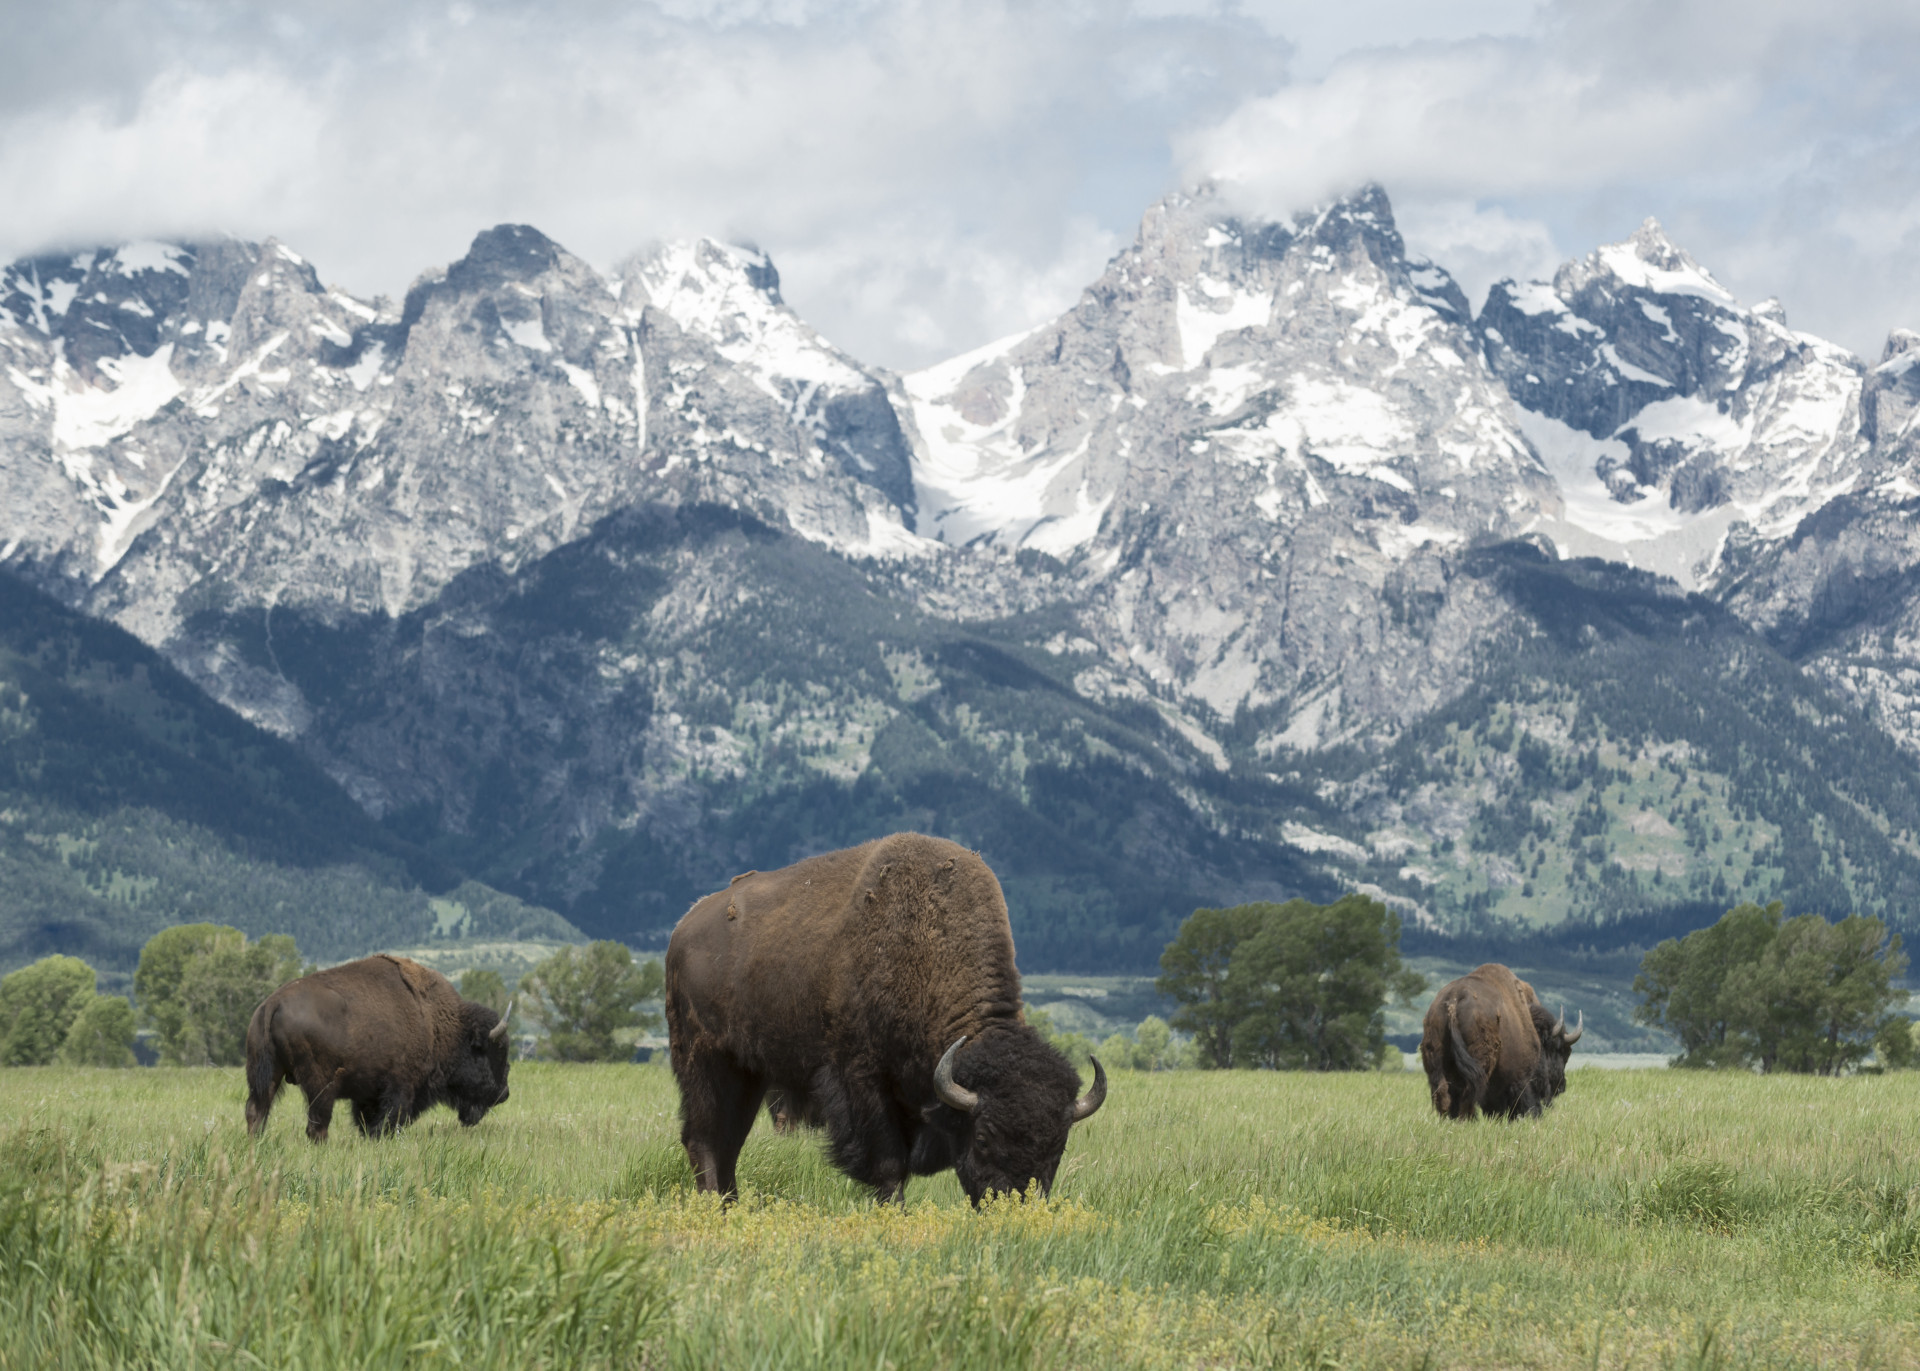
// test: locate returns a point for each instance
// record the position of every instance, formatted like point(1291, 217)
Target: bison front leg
point(393, 1111)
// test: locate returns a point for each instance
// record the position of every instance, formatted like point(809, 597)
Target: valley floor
point(1651, 1218)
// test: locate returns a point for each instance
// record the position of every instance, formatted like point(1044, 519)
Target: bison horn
point(1571, 1038)
point(1084, 1106)
point(949, 1090)
point(499, 1030)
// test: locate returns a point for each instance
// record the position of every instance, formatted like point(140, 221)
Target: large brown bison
point(875, 990)
point(387, 1033)
point(1487, 1044)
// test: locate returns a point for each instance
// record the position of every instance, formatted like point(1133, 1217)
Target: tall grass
point(1201, 1220)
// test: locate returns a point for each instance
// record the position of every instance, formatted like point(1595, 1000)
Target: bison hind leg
point(1464, 1102)
point(718, 1102)
point(321, 1095)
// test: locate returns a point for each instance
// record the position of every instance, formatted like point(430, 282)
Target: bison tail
point(1467, 1065)
point(263, 1073)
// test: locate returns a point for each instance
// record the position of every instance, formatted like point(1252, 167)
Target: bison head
point(477, 1075)
point(1556, 1045)
point(1014, 1108)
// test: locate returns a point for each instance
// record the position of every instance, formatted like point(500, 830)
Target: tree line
point(197, 985)
point(1293, 986)
point(1299, 986)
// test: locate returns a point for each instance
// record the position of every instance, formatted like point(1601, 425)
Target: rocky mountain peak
point(730, 296)
point(1242, 431)
point(1667, 411)
point(503, 254)
point(1890, 397)
point(1359, 223)
point(1646, 261)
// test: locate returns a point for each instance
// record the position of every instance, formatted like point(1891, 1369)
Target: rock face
point(1255, 449)
point(609, 587)
point(227, 436)
point(1842, 593)
point(1671, 417)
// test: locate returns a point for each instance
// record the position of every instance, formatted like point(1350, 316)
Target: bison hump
point(421, 980)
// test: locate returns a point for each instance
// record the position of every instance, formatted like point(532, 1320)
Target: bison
point(1487, 1044)
point(874, 989)
point(387, 1033)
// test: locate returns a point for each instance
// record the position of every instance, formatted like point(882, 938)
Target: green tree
point(198, 984)
point(1312, 984)
point(38, 1005)
point(156, 981)
point(1756, 989)
point(1194, 970)
point(484, 987)
point(1151, 1048)
point(1894, 1044)
point(102, 1034)
point(1684, 985)
point(220, 989)
point(589, 998)
point(1075, 1047)
point(1829, 991)
point(1296, 986)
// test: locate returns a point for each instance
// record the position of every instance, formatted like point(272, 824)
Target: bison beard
point(873, 991)
point(386, 1033)
point(1488, 1044)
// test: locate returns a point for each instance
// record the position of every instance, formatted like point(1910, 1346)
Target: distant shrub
point(1151, 1048)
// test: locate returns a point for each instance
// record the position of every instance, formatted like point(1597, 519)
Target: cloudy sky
point(934, 174)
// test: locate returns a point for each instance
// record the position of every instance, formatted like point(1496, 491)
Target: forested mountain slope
point(129, 801)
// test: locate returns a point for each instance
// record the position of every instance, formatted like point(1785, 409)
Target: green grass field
point(1650, 1219)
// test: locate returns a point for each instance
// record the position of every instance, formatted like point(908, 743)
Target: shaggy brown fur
point(838, 982)
point(1487, 1044)
point(387, 1033)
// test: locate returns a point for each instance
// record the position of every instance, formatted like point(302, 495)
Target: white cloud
point(1479, 245)
point(920, 171)
point(931, 173)
point(1776, 140)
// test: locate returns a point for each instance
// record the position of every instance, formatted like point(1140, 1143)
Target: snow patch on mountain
point(713, 289)
point(85, 416)
point(1592, 521)
point(1651, 261)
point(1225, 310)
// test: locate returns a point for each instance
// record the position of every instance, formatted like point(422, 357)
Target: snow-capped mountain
point(1669, 415)
point(605, 577)
point(1256, 446)
point(192, 427)
point(1260, 446)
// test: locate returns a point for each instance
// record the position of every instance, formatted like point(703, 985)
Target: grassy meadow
point(1651, 1219)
